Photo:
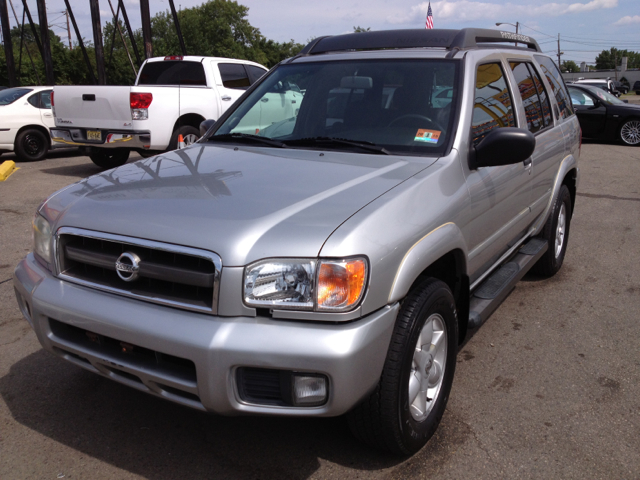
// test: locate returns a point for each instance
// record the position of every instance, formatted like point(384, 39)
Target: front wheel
point(31, 145)
point(108, 157)
point(630, 132)
point(405, 409)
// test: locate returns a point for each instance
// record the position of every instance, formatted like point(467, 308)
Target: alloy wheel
point(427, 369)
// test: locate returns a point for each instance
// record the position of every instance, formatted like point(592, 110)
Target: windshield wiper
point(243, 137)
point(328, 141)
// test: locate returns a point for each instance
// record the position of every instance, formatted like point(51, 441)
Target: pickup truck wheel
point(31, 145)
point(109, 158)
point(404, 410)
point(556, 233)
point(189, 134)
point(630, 132)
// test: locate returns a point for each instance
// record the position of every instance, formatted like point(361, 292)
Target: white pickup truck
point(171, 97)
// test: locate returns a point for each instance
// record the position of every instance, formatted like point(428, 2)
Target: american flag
point(429, 18)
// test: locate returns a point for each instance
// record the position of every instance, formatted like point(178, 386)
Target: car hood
point(244, 203)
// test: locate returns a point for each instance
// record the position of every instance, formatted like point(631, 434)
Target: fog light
point(309, 390)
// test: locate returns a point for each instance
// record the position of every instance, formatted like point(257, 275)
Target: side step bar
point(497, 287)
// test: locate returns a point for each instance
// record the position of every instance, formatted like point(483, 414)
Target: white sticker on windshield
point(430, 136)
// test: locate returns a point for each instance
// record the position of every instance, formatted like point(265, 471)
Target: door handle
point(226, 98)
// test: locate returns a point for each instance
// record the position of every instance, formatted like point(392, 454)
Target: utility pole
point(66, 12)
point(615, 63)
point(559, 53)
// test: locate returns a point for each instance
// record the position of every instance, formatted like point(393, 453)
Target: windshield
point(603, 96)
point(400, 106)
point(10, 95)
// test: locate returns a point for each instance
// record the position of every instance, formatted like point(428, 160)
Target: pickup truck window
point(173, 73)
point(388, 104)
point(234, 76)
point(493, 106)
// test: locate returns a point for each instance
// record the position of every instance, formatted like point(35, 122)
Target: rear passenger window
point(529, 94)
point(542, 94)
point(234, 76)
point(551, 72)
point(254, 73)
point(493, 106)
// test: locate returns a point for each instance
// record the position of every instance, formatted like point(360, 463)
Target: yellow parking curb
point(6, 169)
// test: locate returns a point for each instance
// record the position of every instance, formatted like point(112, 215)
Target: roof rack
point(443, 38)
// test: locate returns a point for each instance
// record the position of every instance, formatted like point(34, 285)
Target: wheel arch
point(41, 128)
point(191, 119)
point(571, 181)
point(440, 254)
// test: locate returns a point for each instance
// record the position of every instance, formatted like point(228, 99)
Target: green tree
point(360, 29)
point(609, 59)
point(570, 66)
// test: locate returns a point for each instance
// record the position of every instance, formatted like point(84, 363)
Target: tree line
point(217, 28)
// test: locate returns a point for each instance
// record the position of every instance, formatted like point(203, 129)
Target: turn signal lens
point(341, 283)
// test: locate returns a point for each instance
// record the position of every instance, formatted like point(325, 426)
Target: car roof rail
point(465, 38)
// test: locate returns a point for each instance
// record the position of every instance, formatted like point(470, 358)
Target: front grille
point(168, 274)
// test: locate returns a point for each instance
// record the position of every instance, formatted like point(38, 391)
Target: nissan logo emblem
point(127, 266)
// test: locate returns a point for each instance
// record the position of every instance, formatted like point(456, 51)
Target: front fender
point(434, 245)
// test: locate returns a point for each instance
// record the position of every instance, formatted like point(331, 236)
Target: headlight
point(306, 284)
point(42, 239)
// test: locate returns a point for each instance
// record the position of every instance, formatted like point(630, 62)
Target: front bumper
point(109, 138)
point(351, 355)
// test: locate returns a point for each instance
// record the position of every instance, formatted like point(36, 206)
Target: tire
point(190, 134)
point(391, 418)
point(556, 233)
point(630, 132)
point(31, 145)
point(109, 158)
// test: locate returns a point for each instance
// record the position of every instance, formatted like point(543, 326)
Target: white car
point(25, 119)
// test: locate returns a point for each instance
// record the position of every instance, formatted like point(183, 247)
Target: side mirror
point(206, 125)
point(596, 104)
point(502, 146)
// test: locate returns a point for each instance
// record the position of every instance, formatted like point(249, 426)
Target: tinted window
point(234, 75)
point(551, 72)
point(10, 95)
point(34, 100)
point(254, 73)
point(493, 107)
point(173, 73)
point(45, 99)
point(530, 100)
point(542, 94)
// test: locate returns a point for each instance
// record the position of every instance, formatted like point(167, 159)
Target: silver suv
point(329, 260)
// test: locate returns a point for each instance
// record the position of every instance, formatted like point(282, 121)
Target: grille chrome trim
point(138, 242)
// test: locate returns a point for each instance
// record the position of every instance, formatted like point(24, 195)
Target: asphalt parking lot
point(549, 387)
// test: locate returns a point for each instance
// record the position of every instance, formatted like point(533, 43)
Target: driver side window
point(493, 106)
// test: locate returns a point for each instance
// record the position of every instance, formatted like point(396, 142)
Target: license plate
point(94, 135)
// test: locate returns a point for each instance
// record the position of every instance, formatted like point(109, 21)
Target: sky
point(586, 27)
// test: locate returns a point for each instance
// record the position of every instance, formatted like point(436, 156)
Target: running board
point(497, 287)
